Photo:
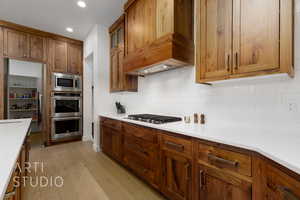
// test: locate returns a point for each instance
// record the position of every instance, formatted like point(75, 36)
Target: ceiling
point(56, 15)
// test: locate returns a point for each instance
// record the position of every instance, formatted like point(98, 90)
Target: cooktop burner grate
point(155, 119)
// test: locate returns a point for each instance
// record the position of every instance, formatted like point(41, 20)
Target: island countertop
point(281, 145)
point(12, 136)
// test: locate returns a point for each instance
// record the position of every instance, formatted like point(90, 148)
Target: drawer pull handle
point(177, 147)
point(288, 194)
point(201, 177)
point(222, 161)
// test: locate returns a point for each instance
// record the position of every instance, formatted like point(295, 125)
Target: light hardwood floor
point(87, 176)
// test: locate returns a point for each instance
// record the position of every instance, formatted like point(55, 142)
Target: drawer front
point(145, 134)
point(115, 124)
point(281, 186)
point(224, 159)
point(142, 158)
point(178, 145)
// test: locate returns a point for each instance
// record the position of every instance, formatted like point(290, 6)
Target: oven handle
point(65, 118)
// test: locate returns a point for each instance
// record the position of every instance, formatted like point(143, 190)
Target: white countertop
point(12, 135)
point(279, 144)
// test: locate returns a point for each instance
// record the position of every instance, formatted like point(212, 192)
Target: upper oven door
point(63, 82)
point(66, 106)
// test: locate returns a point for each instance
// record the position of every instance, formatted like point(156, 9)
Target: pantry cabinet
point(232, 42)
point(119, 81)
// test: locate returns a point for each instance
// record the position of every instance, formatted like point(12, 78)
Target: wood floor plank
point(87, 175)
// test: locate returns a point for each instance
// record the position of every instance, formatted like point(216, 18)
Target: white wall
point(271, 101)
point(23, 68)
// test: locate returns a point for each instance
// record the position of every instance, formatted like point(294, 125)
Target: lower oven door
point(66, 127)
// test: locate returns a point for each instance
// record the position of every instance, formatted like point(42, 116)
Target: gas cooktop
point(154, 119)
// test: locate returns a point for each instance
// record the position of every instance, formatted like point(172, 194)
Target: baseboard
point(96, 148)
point(86, 139)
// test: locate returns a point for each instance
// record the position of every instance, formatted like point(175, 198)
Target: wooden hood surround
point(158, 32)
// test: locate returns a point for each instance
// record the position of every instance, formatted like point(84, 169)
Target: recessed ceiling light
point(81, 4)
point(69, 30)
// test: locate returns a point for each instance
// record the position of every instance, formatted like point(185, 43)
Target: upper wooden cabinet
point(75, 59)
point(158, 32)
point(233, 42)
point(15, 44)
point(21, 45)
point(119, 81)
point(65, 57)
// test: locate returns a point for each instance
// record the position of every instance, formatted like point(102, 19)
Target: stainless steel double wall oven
point(66, 106)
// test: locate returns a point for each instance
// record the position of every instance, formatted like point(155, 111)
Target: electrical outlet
point(293, 107)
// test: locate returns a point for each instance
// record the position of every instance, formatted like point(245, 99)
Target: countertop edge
point(257, 150)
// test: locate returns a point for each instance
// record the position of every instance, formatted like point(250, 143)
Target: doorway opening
point(25, 94)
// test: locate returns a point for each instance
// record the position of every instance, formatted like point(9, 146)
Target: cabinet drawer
point(142, 158)
point(178, 145)
point(115, 124)
point(281, 186)
point(225, 159)
point(145, 134)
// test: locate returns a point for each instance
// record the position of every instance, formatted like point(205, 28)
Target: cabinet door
point(140, 27)
point(177, 182)
point(74, 59)
point(215, 48)
point(37, 48)
point(214, 184)
point(15, 44)
point(111, 142)
point(114, 71)
point(256, 34)
point(59, 56)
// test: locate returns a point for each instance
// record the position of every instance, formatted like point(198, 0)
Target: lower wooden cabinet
point(183, 168)
point(111, 142)
point(214, 184)
point(176, 176)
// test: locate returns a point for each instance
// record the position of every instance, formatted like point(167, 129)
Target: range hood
point(166, 53)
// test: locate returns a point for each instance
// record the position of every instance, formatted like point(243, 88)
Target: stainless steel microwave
point(66, 82)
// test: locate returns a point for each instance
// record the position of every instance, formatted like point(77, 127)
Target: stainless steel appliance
point(66, 104)
point(66, 82)
point(154, 119)
point(66, 127)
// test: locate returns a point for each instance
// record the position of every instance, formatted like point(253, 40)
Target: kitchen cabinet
point(15, 44)
point(66, 57)
point(21, 45)
point(119, 81)
point(214, 184)
point(75, 58)
point(280, 186)
point(229, 47)
point(141, 153)
point(158, 32)
point(37, 48)
point(176, 176)
point(186, 168)
point(111, 138)
point(58, 51)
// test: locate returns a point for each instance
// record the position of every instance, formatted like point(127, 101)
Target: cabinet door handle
point(236, 61)
point(228, 63)
point(177, 147)
point(222, 161)
point(201, 182)
point(288, 194)
point(187, 171)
